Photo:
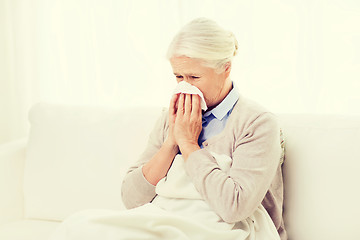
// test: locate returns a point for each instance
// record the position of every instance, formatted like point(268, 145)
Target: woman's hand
point(188, 123)
point(158, 166)
point(170, 140)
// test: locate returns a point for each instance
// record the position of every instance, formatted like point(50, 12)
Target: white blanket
point(178, 212)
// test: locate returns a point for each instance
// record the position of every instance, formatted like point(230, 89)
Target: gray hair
point(204, 39)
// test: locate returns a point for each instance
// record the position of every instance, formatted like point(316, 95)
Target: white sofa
point(75, 158)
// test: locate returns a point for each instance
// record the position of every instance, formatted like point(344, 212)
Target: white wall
point(295, 56)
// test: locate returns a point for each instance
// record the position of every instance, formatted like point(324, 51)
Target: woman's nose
point(187, 80)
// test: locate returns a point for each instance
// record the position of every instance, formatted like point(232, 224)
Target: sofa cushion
point(78, 155)
point(321, 171)
point(28, 230)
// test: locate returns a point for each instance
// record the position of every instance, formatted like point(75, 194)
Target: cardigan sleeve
point(234, 195)
point(136, 190)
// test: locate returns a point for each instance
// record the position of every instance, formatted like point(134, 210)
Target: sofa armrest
point(12, 160)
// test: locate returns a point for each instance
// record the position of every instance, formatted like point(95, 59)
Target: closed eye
point(191, 77)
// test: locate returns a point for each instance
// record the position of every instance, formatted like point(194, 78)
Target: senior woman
point(201, 54)
point(213, 174)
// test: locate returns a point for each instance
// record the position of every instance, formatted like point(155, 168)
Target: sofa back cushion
point(321, 173)
point(77, 156)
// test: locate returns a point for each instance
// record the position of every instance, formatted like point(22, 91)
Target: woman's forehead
point(187, 65)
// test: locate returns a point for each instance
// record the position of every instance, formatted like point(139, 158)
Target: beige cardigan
point(251, 138)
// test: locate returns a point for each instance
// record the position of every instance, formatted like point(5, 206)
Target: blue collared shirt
point(213, 121)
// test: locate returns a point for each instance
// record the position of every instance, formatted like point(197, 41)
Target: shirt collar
point(225, 105)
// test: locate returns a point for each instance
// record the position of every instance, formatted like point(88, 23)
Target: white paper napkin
point(184, 87)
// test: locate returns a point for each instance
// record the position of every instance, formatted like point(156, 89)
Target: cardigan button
point(205, 144)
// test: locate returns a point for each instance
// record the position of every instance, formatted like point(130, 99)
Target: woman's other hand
point(170, 140)
point(188, 123)
point(158, 166)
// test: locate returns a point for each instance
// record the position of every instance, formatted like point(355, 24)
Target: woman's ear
point(227, 69)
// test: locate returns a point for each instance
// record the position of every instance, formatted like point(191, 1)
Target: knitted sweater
point(252, 139)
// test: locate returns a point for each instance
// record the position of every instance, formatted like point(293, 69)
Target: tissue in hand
point(184, 87)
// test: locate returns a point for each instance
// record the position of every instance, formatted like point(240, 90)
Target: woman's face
point(215, 86)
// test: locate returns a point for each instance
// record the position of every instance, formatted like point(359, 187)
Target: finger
point(196, 105)
point(187, 104)
point(173, 101)
point(181, 104)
